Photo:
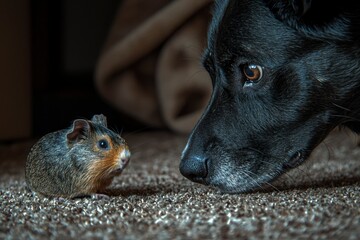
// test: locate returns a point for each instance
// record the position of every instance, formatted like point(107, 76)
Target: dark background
point(67, 38)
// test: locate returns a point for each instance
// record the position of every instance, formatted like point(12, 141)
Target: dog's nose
point(194, 168)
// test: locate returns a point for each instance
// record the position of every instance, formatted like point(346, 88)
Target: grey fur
point(57, 166)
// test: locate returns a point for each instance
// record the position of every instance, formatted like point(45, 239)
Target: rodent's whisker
point(141, 130)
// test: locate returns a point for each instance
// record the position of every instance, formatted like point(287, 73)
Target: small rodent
point(75, 162)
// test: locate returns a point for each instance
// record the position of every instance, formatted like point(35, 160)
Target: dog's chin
point(232, 179)
point(242, 183)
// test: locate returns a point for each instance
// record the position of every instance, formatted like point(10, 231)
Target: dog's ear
point(317, 19)
point(301, 6)
point(303, 10)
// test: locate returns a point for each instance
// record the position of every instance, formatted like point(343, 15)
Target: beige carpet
point(151, 200)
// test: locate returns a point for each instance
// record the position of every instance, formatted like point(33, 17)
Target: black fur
point(252, 132)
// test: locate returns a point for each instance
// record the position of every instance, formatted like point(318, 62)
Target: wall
point(15, 83)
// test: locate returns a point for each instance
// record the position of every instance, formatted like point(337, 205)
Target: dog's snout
point(194, 168)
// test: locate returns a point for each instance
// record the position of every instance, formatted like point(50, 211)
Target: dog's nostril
point(194, 168)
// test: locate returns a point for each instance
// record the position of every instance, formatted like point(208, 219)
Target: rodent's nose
point(125, 155)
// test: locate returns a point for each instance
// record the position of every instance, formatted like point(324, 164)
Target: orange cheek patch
point(100, 169)
point(110, 160)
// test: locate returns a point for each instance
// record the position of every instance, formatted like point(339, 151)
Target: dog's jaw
point(237, 171)
point(240, 179)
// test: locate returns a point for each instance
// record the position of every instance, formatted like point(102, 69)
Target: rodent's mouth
point(121, 166)
point(118, 171)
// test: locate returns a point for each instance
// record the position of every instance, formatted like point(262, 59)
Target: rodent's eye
point(253, 72)
point(103, 144)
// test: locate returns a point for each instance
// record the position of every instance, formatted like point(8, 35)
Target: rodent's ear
point(80, 130)
point(100, 119)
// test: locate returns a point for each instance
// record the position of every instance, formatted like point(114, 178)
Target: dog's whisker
point(246, 172)
point(273, 165)
point(257, 183)
point(346, 118)
point(271, 185)
point(286, 174)
point(341, 107)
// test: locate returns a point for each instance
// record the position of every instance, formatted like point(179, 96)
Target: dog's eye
point(253, 72)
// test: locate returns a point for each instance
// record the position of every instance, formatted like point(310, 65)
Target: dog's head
point(284, 74)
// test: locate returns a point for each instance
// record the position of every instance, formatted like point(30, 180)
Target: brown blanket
point(150, 65)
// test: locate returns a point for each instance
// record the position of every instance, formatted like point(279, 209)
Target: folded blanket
point(150, 65)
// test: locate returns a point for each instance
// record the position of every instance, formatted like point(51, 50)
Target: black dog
point(285, 73)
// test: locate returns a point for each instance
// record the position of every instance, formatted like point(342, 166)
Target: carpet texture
point(151, 200)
